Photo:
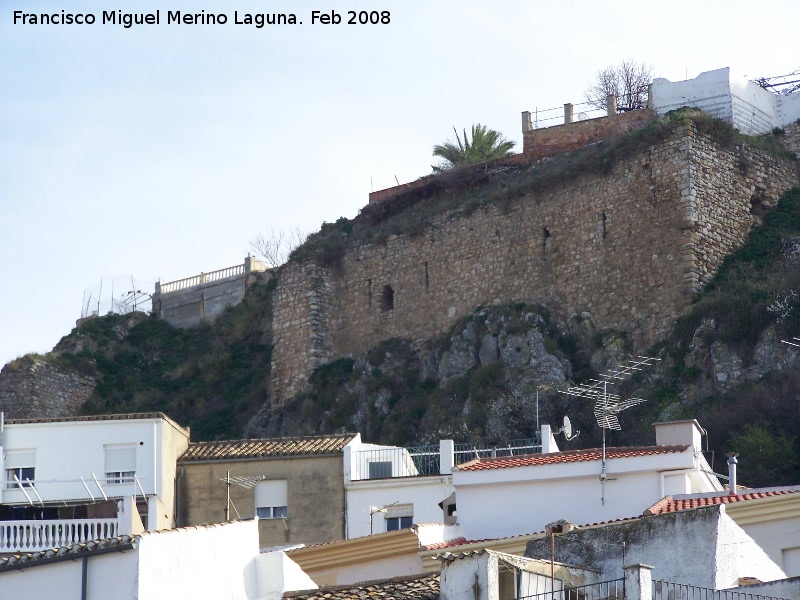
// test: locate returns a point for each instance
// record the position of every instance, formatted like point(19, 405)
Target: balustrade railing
point(465, 452)
point(182, 284)
point(666, 590)
point(32, 536)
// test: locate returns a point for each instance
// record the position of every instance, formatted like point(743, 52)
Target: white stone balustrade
point(32, 536)
point(182, 284)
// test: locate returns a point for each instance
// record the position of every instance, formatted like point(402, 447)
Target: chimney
point(732, 462)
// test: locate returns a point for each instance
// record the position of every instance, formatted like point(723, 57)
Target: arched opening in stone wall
point(387, 299)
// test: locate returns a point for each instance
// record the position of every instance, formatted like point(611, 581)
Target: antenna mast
point(607, 405)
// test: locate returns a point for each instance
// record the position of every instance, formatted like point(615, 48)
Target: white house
point(211, 561)
point(390, 488)
point(68, 480)
point(501, 497)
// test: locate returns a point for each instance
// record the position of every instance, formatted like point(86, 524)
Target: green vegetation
point(211, 378)
point(486, 145)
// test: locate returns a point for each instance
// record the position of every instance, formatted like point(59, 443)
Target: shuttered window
point(120, 463)
point(791, 561)
point(271, 499)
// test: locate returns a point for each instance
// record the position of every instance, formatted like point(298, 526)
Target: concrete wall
point(189, 302)
point(631, 248)
point(702, 547)
point(315, 493)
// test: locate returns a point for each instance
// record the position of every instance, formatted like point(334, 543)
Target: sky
point(160, 151)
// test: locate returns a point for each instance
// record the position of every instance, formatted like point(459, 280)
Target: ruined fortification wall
point(630, 247)
point(33, 388)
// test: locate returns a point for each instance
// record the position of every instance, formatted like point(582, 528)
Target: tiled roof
point(670, 504)
point(414, 587)
point(120, 417)
point(298, 446)
point(459, 541)
point(570, 456)
point(25, 559)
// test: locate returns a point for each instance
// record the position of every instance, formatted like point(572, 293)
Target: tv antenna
point(582, 116)
point(567, 430)
point(242, 481)
point(607, 405)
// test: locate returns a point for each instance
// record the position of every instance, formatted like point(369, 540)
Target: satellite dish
point(582, 116)
point(567, 430)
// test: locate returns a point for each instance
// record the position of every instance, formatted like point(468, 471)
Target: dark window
point(395, 523)
point(21, 473)
point(387, 299)
point(380, 469)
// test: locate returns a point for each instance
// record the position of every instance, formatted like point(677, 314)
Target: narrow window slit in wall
point(545, 237)
point(387, 299)
point(604, 226)
point(369, 293)
point(427, 281)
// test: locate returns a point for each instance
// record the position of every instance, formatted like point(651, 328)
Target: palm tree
point(487, 144)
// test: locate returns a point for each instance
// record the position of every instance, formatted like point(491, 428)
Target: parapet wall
point(191, 301)
point(630, 247)
point(538, 143)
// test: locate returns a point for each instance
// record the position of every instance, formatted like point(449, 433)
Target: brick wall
point(630, 247)
point(33, 388)
point(538, 143)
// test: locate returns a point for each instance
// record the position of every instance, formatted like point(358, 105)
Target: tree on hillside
point(628, 81)
point(486, 144)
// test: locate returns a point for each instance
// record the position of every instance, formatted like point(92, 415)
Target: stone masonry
point(630, 247)
point(33, 388)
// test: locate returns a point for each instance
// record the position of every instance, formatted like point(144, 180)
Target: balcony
point(389, 462)
point(33, 535)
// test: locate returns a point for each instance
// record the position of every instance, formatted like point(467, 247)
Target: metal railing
point(612, 590)
point(31, 536)
point(666, 590)
point(465, 452)
point(181, 284)
point(397, 462)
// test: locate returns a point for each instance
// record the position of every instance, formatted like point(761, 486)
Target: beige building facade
point(294, 485)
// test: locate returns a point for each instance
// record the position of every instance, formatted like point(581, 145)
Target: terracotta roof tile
point(257, 448)
point(569, 456)
point(414, 587)
point(670, 504)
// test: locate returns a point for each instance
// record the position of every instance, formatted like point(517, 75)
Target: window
point(791, 561)
point(271, 499)
point(20, 464)
point(21, 473)
point(399, 517)
point(380, 469)
point(120, 463)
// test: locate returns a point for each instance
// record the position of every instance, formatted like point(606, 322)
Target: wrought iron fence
point(666, 590)
point(605, 590)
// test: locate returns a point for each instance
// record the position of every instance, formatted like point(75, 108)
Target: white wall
point(110, 575)
point(424, 493)
point(747, 106)
point(379, 568)
point(775, 536)
point(738, 555)
point(200, 562)
point(521, 500)
point(276, 573)
point(75, 449)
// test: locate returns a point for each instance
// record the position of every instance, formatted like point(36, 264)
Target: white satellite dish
point(582, 116)
point(567, 430)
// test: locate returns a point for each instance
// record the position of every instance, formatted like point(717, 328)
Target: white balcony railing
point(32, 536)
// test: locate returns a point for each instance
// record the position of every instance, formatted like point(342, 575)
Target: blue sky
point(161, 151)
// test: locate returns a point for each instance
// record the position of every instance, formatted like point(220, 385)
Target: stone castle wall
point(630, 247)
point(33, 388)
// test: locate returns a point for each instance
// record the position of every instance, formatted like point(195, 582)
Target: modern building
point(70, 480)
